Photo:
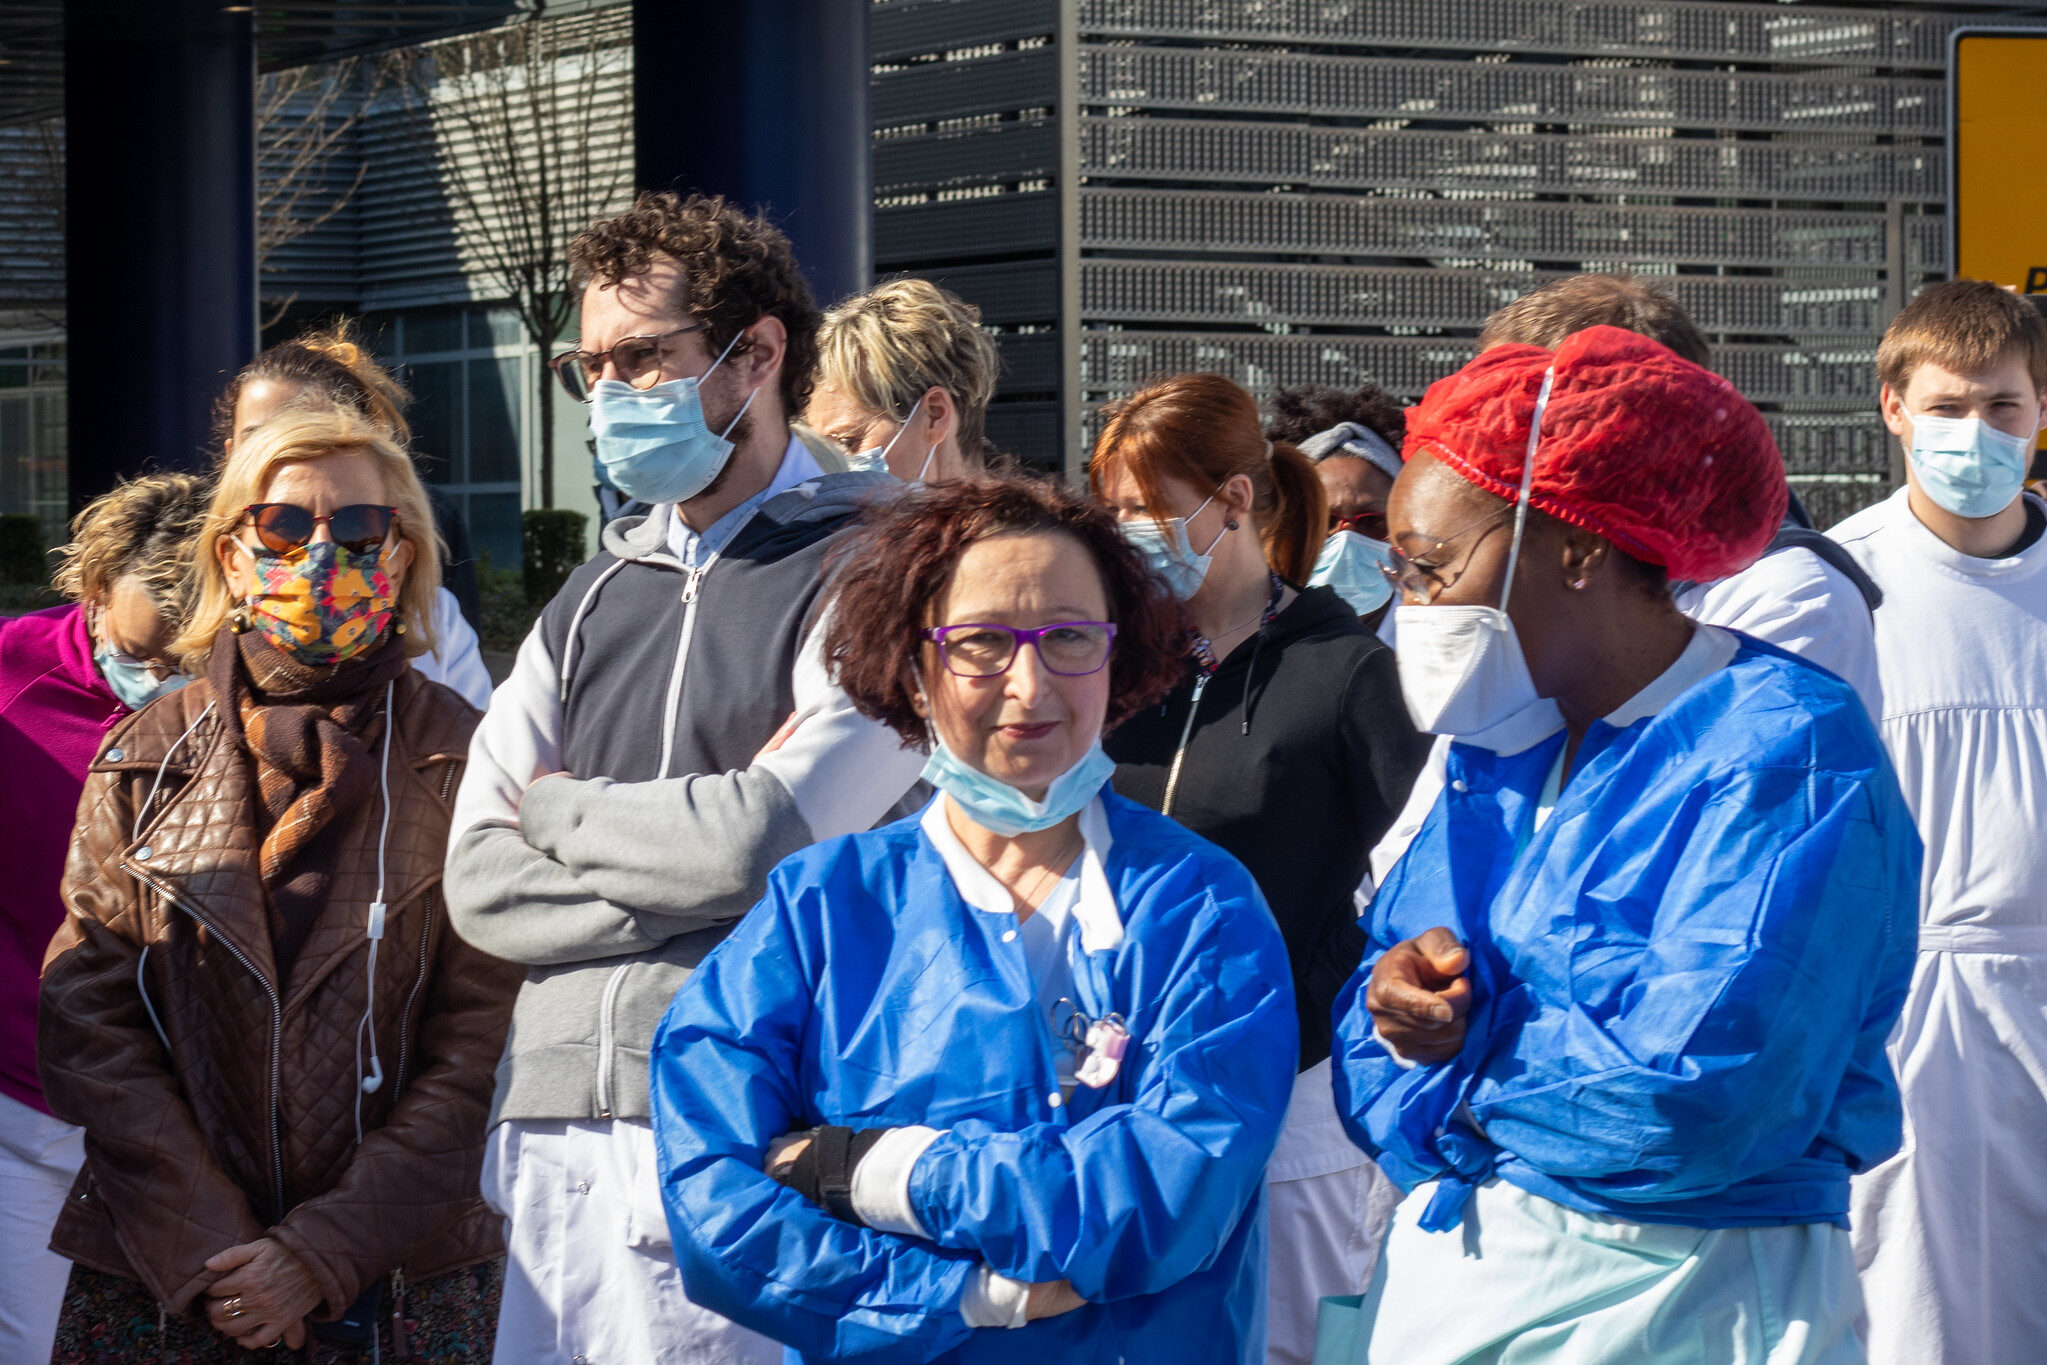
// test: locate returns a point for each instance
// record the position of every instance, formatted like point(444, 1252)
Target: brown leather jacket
point(229, 1113)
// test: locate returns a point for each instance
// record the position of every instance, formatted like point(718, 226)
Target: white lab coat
point(1951, 1234)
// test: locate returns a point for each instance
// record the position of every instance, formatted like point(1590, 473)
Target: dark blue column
point(160, 228)
point(767, 105)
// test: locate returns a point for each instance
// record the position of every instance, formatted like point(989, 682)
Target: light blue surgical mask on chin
point(652, 443)
point(1967, 466)
point(1001, 809)
point(1168, 553)
point(1350, 564)
point(132, 682)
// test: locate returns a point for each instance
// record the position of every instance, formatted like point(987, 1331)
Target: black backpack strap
point(1791, 537)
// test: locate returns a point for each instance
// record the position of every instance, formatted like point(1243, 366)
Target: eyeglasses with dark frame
point(983, 649)
point(637, 359)
point(1410, 579)
point(286, 526)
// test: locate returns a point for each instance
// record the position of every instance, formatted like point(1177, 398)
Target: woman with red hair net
point(1621, 1029)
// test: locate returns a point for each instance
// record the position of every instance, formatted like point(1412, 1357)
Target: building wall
point(1297, 191)
point(393, 255)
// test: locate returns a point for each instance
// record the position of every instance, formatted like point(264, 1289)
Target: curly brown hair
point(737, 268)
point(901, 560)
point(147, 529)
point(1306, 409)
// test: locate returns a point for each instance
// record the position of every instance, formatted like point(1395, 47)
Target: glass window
point(494, 394)
point(438, 330)
point(496, 327)
point(437, 419)
point(494, 528)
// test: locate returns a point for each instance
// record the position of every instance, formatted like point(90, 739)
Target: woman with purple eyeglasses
point(999, 1081)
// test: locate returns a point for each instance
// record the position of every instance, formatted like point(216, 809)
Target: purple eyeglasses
point(979, 649)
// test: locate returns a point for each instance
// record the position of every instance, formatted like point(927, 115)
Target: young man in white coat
point(1951, 1234)
point(668, 734)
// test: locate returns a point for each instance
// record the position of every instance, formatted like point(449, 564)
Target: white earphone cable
point(369, 1084)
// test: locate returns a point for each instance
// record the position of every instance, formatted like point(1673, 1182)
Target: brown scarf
point(310, 729)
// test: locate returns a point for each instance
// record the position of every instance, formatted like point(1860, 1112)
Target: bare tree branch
point(531, 128)
point(305, 117)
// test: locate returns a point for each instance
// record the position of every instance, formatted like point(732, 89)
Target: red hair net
point(1659, 456)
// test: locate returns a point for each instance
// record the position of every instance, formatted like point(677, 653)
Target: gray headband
point(1352, 438)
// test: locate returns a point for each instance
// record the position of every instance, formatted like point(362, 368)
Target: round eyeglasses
point(286, 526)
point(979, 649)
point(638, 360)
point(1412, 578)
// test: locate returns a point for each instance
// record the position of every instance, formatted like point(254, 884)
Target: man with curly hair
point(668, 734)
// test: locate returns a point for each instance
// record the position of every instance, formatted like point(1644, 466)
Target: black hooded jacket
point(1298, 757)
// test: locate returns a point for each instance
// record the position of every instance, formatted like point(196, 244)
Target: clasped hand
point(262, 1296)
point(1047, 1299)
point(1420, 994)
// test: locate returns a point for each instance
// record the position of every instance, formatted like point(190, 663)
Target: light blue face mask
point(652, 444)
point(132, 682)
point(1967, 466)
point(876, 461)
point(1000, 808)
point(1168, 553)
point(1350, 564)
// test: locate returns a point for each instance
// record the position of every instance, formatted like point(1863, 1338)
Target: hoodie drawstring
point(1257, 643)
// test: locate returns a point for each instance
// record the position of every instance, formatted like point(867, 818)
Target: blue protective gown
point(864, 991)
point(1683, 981)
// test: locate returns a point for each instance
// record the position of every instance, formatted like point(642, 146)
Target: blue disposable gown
point(864, 991)
point(1683, 981)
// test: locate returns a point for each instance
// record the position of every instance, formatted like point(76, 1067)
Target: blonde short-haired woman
point(280, 1054)
point(905, 374)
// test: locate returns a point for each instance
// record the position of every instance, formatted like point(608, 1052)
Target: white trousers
point(590, 1275)
point(1330, 1208)
point(39, 1158)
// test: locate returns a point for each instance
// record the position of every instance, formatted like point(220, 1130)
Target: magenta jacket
point(54, 711)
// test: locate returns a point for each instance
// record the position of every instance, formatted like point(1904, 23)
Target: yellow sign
point(1998, 213)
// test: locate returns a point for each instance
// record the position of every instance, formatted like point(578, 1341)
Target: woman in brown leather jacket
point(280, 1054)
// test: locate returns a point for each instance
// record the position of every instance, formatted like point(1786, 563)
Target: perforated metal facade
point(1335, 191)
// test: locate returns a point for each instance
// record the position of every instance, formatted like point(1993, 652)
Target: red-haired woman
point(1286, 742)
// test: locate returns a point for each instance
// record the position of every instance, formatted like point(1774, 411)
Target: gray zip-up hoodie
point(617, 818)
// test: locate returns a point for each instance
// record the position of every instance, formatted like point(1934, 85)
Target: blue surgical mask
point(132, 681)
point(652, 443)
point(1167, 552)
point(1967, 466)
point(1350, 564)
point(1000, 808)
point(876, 460)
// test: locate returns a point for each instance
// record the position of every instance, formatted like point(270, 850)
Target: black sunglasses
point(286, 526)
point(1371, 525)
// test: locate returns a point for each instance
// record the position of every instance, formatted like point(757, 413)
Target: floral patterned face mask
point(321, 603)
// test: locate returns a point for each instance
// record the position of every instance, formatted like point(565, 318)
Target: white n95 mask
point(1461, 667)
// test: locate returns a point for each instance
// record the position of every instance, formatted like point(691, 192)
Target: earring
point(1229, 526)
point(1579, 586)
point(240, 620)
